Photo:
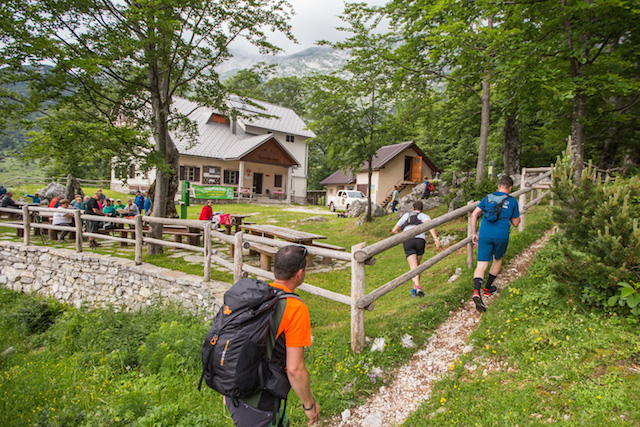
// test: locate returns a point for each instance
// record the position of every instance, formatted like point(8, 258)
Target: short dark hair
point(288, 261)
point(505, 182)
point(417, 205)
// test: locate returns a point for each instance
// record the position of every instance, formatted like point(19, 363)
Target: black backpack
point(412, 220)
point(493, 207)
point(237, 350)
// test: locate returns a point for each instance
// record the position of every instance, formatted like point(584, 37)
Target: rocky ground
point(412, 383)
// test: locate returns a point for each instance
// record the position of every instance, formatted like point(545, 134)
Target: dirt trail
point(412, 382)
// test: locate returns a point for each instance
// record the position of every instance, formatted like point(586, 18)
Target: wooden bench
point(266, 254)
point(326, 259)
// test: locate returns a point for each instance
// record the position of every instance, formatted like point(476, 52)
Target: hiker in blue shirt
point(147, 204)
point(500, 211)
point(395, 198)
point(139, 201)
point(427, 188)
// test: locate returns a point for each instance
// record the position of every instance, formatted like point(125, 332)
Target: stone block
point(11, 273)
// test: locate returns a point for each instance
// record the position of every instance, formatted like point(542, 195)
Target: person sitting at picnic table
point(54, 202)
point(109, 209)
point(35, 198)
point(85, 200)
point(7, 201)
point(206, 214)
point(119, 206)
point(131, 209)
point(3, 191)
point(63, 218)
point(77, 202)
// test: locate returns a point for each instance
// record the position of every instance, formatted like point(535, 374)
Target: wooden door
point(416, 169)
point(257, 183)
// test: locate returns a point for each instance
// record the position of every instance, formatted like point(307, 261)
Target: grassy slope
point(96, 354)
point(556, 362)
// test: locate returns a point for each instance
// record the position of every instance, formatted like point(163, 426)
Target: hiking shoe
point(487, 292)
point(413, 293)
point(420, 293)
point(477, 299)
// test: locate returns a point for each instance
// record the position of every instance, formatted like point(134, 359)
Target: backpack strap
point(271, 339)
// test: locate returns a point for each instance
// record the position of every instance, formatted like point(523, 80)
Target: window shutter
point(183, 173)
point(196, 175)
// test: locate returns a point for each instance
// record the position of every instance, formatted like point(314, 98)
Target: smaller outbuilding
point(403, 164)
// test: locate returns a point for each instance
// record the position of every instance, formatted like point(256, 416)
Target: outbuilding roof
point(339, 177)
point(382, 157)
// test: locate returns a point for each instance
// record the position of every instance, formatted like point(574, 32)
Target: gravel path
point(412, 382)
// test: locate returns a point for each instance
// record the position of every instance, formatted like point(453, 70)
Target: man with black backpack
point(254, 352)
point(414, 248)
point(499, 212)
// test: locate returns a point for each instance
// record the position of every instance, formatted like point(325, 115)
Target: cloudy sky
point(315, 20)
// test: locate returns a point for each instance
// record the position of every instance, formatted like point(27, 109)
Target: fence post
point(25, 224)
point(357, 292)
point(138, 226)
point(78, 221)
point(207, 251)
point(523, 199)
point(237, 257)
point(469, 234)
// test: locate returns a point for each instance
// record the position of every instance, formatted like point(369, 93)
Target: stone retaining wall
point(78, 278)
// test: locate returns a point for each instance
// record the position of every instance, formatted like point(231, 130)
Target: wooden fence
point(360, 256)
point(138, 227)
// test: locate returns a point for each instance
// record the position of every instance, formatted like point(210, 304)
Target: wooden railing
point(140, 224)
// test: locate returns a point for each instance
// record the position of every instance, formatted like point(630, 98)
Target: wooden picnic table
point(293, 236)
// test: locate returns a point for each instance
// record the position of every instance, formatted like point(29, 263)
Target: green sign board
point(215, 192)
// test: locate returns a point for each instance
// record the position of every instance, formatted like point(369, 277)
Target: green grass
point(542, 358)
point(109, 368)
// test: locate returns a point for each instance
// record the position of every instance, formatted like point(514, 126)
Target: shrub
point(601, 240)
point(38, 314)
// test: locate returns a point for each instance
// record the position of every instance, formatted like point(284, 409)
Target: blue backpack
point(493, 207)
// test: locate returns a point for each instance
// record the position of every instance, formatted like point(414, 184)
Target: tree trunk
point(484, 130)
point(510, 146)
point(174, 182)
point(370, 174)
point(166, 183)
point(578, 132)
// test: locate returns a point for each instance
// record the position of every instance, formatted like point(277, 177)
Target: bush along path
point(412, 382)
